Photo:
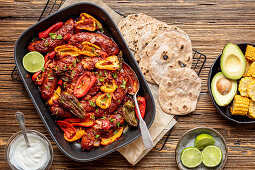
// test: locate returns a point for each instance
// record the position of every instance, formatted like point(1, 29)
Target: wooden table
point(210, 26)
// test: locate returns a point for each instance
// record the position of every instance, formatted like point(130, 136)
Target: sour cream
point(34, 157)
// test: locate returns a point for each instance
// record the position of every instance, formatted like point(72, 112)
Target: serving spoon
point(20, 118)
point(147, 141)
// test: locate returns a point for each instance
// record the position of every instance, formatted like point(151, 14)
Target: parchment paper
point(163, 122)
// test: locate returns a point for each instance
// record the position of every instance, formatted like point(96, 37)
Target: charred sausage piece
point(49, 85)
point(59, 111)
point(48, 44)
point(90, 105)
point(67, 28)
point(104, 42)
point(64, 64)
point(89, 62)
point(87, 142)
point(94, 89)
point(116, 120)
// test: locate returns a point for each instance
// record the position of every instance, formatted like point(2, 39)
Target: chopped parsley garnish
point(101, 79)
point(108, 95)
point(97, 136)
point(59, 37)
point(105, 73)
point(43, 69)
point(96, 111)
point(92, 103)
point(103, 117)
point(111, 120)
point(46, 44)
point(53, 35)
point(116, 131)
point(77, 60)
point(118, 124)
point(79, 86)
point(92, 117)
point(47, 87)
point(114, 75)
point(99, 26)
point(124, 84)
point(33, 39)
point(93, 49)
point(51, 78)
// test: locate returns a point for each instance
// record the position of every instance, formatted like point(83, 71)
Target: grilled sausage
point(104, 42)
point(48, 44)
point(49, 85)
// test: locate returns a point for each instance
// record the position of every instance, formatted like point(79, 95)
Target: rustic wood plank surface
point(210, 24)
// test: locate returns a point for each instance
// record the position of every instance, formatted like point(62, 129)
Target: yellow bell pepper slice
point(104, 101)
point(89, 49)
point(88, 22)
point(107, 141)
point(55, 96)
point(79, 133)
point(109, 87)
point(65, 50)
point(109, 63)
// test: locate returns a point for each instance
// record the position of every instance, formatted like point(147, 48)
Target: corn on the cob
point(251, 112)
point(251, 71)
point(250, 53)
point(248, 64)
point(240, 105)
point(251, 90)
point(243, 85)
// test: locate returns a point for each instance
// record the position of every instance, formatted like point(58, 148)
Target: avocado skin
point(227, 51)
point(223, 100)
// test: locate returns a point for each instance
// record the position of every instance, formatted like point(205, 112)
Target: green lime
point(33, 61)
point(191, 157)
point(212, 156)
point(203, 140)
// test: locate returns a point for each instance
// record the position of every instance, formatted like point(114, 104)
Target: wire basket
point(51, 6)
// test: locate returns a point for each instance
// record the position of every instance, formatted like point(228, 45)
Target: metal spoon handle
point(20, 118)
point(147, 141)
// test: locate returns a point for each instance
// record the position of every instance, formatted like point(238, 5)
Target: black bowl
point(73, 150)
point(224, 111)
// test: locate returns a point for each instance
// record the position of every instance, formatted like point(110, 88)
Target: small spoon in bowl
point(20, 118)
point(147, 141)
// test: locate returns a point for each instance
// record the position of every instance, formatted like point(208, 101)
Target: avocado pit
point(223, 86)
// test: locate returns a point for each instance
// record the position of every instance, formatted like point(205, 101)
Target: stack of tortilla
point(164, 54)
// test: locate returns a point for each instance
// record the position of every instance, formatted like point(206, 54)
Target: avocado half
point(232, 62)
point(223, 89)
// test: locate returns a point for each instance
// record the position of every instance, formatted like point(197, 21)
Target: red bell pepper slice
point(50, 56)
point(60, 82)
point(68, 129)
point(83, 85)
point(67, 37)
point(142, 106)
point(88, 121)
point(53, 28)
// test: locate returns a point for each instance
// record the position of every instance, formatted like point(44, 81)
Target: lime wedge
point(191, 157)
point(212, 156)
point(203, 140)
point(33, 61)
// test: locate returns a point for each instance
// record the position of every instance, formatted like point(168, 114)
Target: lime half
point(203, 140)
point(212, 156)
point(33, 61)
point(191, 157)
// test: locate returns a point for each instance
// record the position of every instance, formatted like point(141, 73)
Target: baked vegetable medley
point(85, 83)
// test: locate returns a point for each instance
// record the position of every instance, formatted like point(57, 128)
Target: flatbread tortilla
point(175, 52)
point(156, 48)
point(179, 91)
